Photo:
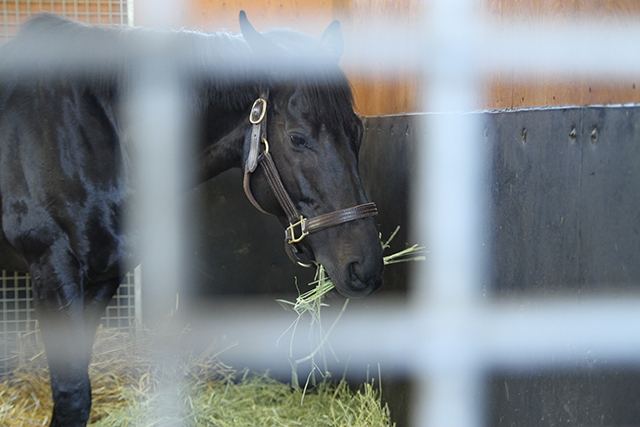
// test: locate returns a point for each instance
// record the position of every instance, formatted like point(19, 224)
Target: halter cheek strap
point(299, 226)
point(258, 119)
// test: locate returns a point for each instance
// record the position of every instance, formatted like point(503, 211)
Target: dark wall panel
point(535, 187)
point(571, 397)
point(386, 158)
point(610, 202)
point(566, 199)
point(565, 221)
point(237, 249)
point(566, 204)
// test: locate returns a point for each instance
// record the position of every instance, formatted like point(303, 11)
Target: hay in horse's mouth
point(311, 302)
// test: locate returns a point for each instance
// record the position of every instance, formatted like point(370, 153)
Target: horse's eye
point(298, 140)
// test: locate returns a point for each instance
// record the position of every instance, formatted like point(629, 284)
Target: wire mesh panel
point(121, 312)
point(16, 12)
point(17, 313)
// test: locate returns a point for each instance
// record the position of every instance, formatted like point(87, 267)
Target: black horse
point(65, 173)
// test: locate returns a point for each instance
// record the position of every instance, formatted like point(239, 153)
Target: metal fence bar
point(449, 196)
point(130, 13)
point(137, 294)
point(529, 50)
point(158, 121)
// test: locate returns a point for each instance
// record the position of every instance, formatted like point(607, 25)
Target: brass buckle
point(291, 233)
point(255, 109)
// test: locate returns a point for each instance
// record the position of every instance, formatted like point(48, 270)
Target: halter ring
point(262, 109)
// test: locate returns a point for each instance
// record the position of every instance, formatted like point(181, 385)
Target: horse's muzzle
point(361, 280)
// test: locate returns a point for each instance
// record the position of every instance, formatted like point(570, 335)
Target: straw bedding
point(125, 374)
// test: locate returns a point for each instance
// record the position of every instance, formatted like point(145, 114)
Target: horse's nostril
point(353, 275)
point(360, 279)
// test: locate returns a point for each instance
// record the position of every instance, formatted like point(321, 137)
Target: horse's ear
point(253, 38)
point(332, 40)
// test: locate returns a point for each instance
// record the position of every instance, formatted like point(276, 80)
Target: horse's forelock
point(331, 100)
point(315, 71)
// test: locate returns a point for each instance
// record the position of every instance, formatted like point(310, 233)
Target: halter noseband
point(299, 226)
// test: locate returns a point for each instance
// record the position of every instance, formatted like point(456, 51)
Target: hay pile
point(125, 371)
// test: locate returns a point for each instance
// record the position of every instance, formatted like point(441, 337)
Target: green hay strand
point(259, 400)
point(311, 303)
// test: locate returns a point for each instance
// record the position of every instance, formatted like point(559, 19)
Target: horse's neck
point(214, 66)
point(223, 151)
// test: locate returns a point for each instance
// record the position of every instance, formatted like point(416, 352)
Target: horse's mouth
point(353, 280)
point(301, 254)
point(364, 285)
point(356, 280)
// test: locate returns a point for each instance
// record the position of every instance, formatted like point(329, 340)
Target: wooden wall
point(509, 90)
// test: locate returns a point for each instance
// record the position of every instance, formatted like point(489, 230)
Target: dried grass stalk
point(123, 373)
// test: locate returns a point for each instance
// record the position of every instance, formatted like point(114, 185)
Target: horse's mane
point(219, 65)
point(50, 46)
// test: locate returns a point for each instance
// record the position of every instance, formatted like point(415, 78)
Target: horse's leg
point(68, 310)
point(59, 308)
point(96, 299)
point(69, 346)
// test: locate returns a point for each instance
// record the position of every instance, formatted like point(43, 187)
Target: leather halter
point(299, 226)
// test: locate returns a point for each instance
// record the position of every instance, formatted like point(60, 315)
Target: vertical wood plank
point(295, 14)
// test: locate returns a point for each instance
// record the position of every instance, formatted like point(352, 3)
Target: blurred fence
point(449, 335)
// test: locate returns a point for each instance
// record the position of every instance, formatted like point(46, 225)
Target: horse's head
point(314, 137)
